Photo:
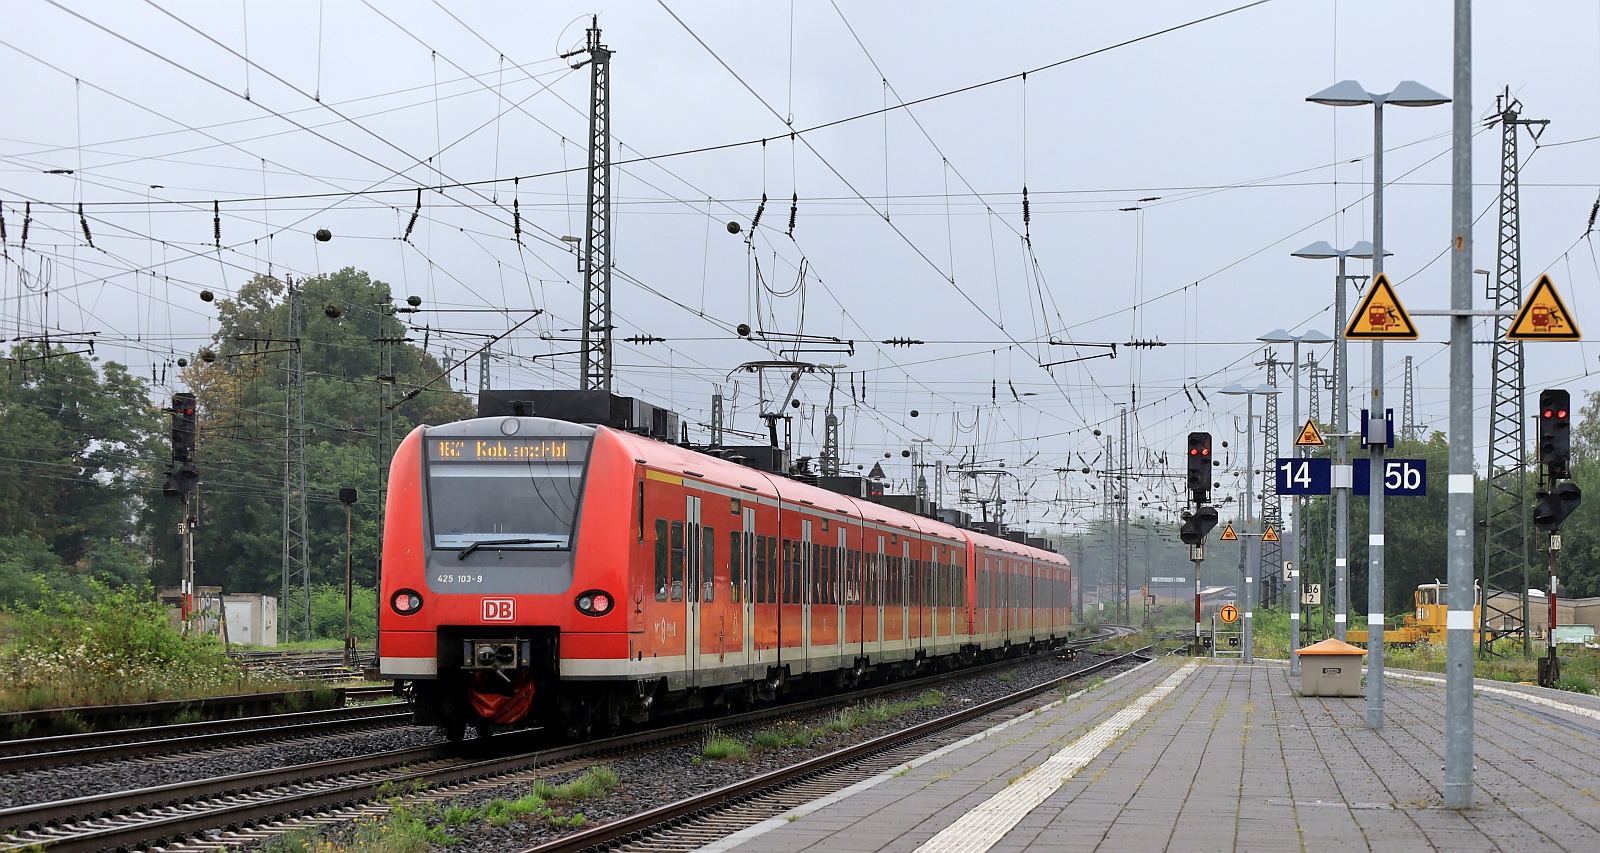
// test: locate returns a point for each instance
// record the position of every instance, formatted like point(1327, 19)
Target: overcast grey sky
point(909, 222)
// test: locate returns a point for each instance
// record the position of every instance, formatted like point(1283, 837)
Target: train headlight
point(595, 603)
point(406, 602)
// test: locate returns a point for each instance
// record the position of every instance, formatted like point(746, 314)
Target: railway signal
point(183, 427)
point(1200, 466)
point(1553, 506)
point(1198, 525)
point(1555, 429)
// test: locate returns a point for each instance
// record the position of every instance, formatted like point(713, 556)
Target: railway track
point(92, 747)
point(693, 822)
point(189, 810)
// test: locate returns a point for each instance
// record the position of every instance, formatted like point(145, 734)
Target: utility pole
point(594, 372)
point(295, 605)
point(483, 370)
point(1505, 532)
point(717, 417)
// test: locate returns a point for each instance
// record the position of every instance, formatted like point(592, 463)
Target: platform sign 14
point(1401, 477)
point(1305, 476)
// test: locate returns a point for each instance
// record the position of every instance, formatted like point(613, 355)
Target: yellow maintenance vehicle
point(1425, 623)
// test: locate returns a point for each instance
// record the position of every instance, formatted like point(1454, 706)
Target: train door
point(905, 595)
point(846, 590)
point(747, 605)
point(692, 589)
point(802, 565)
point(879, 599)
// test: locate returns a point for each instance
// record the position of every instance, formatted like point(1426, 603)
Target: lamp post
point(1252, 538)
point(1343, 477)
point(347, 496)
point(1296, 548)
point(1349, 93)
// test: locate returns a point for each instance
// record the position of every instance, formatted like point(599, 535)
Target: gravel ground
point(663, 776)
point(59, 783)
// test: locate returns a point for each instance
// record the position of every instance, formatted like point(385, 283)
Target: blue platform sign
point(1304, 476)
point(1402, 477)
point(1406, 478)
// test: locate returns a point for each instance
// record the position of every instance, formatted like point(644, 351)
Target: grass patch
point(1006, 677)
point(790, 733)
point(596, 782)
point(720, 747)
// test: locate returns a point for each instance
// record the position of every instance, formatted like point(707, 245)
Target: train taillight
point(595, 603)
point(406, 602)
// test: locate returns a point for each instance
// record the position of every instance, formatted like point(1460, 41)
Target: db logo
point(499, 609)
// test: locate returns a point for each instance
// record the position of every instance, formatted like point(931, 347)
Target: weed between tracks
point(792, 734)
point(419, 828)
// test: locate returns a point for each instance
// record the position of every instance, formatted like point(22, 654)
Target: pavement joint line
point(1515, 694)
point(777, 821)
point(982, 827)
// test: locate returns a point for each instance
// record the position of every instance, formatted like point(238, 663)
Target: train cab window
point(708, 564)
point(735, 570)
point(662, 579)
point(523, 498)
point(677, 560)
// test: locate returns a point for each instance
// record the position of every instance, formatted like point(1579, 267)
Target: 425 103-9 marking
point(458, 579)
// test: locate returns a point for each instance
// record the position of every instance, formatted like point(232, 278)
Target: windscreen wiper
point(490, 543)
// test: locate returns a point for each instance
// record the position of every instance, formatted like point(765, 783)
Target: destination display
point(519, 449)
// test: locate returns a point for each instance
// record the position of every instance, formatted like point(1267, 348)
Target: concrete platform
point(1226, 757)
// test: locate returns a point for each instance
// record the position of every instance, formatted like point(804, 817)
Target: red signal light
point(1548, 413)
point(1206, 451)
point(1562, 413)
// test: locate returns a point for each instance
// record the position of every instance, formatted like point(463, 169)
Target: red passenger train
point(537, 571)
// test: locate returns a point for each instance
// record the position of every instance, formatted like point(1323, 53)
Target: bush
point(327, 613)
point(110, 646)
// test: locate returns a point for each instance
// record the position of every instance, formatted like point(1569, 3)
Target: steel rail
point(640, 825)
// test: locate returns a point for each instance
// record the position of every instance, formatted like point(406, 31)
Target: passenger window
point(708, 563)
point(661, 559)
point(735, 571)
point(772, 566)
point(761, 569)
point(677, 561)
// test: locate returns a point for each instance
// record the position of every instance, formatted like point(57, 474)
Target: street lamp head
point(1236, 390)
point(1312, 336)
point(1277, 336)
point(1321, 250)
point(1410, 93)
point(1264, 389)
point(1345, 93)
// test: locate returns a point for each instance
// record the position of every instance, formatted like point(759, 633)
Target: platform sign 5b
point(1401, 477)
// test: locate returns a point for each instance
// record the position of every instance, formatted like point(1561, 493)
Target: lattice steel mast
point(1271, 569)
point(294, 607)
point(594, 372)
point(1408, 412)
point(1122, 524)
point(1505, 538)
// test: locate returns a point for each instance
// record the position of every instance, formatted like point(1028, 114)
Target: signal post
point(1554, 504)
point(1197, 524)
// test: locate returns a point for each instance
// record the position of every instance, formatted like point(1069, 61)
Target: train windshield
point(515, 493)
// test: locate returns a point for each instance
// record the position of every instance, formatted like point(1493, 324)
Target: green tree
point(81, 457)
point(241, 393)
point(1579, 563)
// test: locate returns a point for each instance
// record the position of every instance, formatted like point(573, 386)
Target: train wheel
point(455, 730)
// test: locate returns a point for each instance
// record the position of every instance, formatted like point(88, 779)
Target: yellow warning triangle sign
point(1380, 316)
point(1228, 535)
point(1309, 436)
point(1544, 317)
point(1270, 536)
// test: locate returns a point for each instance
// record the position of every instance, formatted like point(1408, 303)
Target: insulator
point(1592, 211)
point(1027, 215)
point(216, 223)
point(760, 209)
point(416, 212)
point(27, 219)
point(516, 221)
point(84, 222)
point(2, 226)
point(794, 208)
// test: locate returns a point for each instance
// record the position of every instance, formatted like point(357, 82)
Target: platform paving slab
point(1234, 759)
